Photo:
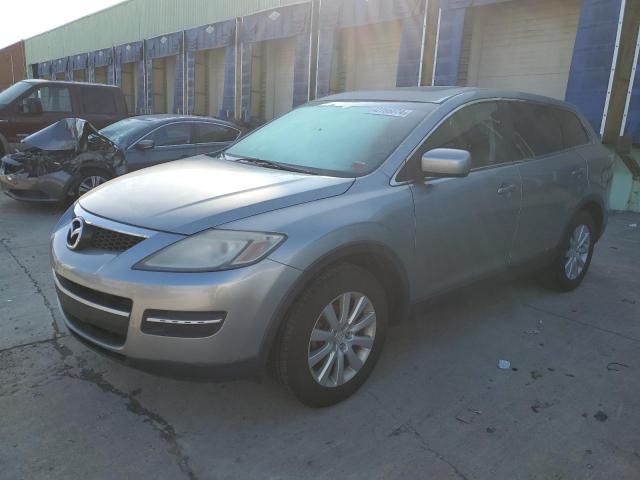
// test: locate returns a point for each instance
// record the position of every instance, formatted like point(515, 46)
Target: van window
point(573, 132)
point(98, 100)
point(53, 98)
point(536, 128)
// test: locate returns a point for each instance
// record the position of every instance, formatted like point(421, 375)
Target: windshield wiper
point(271, 164)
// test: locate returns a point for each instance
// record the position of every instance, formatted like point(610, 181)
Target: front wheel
point(90, 179)
point(574, 255)
point(332, 337)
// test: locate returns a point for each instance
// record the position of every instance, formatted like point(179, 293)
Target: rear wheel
point(574, 254)
point(332, 337)
point(90, 179)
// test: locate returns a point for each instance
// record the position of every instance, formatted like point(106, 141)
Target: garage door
point(130, 84)
point(209, 81)
point(367, 57)
point(272, 78)
point(164, 78)
point(524, 45)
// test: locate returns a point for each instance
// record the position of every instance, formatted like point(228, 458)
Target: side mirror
point(145, 145)
point(32, 106)
point(446, 162)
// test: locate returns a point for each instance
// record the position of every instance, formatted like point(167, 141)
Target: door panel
point(464, 227)
point(554, 176)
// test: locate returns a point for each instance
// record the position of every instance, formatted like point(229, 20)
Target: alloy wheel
point(578, 252)
point(342, 339)
point(89, 183)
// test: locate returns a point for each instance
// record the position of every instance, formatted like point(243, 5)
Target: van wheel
point(90, 179)
point(332, 336)
point(573, 257)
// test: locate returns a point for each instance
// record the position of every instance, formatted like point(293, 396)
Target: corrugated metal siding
point(136, 20)
point(12, 65)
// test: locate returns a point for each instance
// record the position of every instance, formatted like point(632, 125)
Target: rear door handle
point(507, 188)
point(578, 172)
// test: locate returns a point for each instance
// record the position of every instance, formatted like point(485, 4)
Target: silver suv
point(300, 244)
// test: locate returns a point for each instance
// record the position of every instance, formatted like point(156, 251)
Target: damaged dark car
point(60, 163)
point(70, 157)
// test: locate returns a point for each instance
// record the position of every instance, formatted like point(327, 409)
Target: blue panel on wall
point(632, 126)
point(449, 46)
point(593, 58)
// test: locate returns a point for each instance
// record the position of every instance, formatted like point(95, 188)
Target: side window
point(536, 129)
point(98, 100)
point(478, 129)
point(53, 98)
point(573, 132)
point(213, 133)
point(174, 134)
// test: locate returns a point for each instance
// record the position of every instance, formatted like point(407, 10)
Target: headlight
point(212, 250)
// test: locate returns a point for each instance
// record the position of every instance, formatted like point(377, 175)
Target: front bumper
point(49, 188)
point(249, 299)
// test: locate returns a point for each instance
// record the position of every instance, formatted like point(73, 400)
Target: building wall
point(137, 20)
point(12, 65)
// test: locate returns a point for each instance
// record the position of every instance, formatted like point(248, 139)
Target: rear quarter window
point(573, 132)
point(98, 100)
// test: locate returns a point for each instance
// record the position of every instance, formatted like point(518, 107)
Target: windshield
point(346, 139)
point(126, 131)
point(14, 91)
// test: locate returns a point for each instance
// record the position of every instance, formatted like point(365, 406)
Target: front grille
point(103, 239)
point(98, 315)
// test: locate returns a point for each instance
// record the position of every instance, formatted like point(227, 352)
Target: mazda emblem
point(74, 235)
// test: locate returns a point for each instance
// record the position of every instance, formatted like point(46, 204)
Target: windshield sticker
point(391, 112)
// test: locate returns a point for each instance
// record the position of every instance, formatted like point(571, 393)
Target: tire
point(87, 175)
point(564, 275)
point(294, 349)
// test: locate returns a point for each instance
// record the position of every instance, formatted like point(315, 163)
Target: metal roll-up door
point(130, 84)
point(367, 57)
point(272, 78)
point(525, 45)
point(209, 81)
point(164, 73)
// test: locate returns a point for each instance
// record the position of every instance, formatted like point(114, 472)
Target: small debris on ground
point(536, 407)
point(504, 364)
point(601, 416)
point(467, 416)
point(633, 225)
point(532, 332)
point(615, 366)
point(490, 430)
point(535, 374)
point(631, 302)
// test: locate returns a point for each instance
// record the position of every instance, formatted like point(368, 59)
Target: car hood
point(68, 134)
point(190, 195)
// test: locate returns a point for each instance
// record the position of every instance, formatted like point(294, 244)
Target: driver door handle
point(507, 188)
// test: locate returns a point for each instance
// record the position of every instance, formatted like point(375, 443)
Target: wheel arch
point(374, 257)
point(594, 205)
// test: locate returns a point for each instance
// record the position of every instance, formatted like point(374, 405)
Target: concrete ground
point(436, 407)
